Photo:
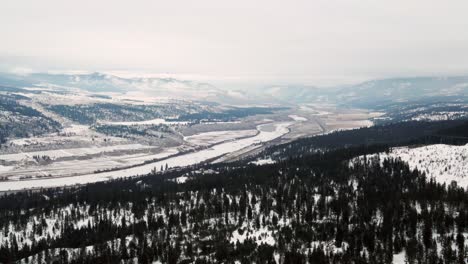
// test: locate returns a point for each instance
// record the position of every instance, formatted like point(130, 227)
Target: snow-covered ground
point(71, 136)
point(4, 169)
point(399, 258)
point(157, 121)
point(73, 152)
point(260, 236)
point(444, 163)
point(437, 116)
point(214, 137)
point(79, 166)
point(181, 179)
point(263, 161)
point(297, 118)
point(267, 132)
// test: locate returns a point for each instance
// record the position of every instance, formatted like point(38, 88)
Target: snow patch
point(444, 163)
point(297, 118)
point(263, 161)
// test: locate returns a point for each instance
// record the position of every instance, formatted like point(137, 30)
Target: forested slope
point(320, 208)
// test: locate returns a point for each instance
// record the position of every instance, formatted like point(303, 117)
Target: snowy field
point(73, 152)
point(267, 132)
point(71, 136)
point(214, 137)
point(297, 118)
point(157, 121)
point(444, 163)
point(81, 166)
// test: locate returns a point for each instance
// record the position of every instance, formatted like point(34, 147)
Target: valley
point(98, 138)
point(68, 166)
point(115, 175)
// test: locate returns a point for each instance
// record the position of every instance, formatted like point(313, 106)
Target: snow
point(5, 168)
point(444, 163)
point(61, 153)
point(297, 118)
point(72, 135)
point(157, 121)
point(263, 161)
point(220, 122)
point(78, 166)
point(329, 246)
point(77, 129)
point(267, 132)
point(261, 236)
point(437, 116)
point(214, 137)
point(399, 258)
point(181, 179)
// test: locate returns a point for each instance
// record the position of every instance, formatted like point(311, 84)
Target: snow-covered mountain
point(154, 87)
point(298, 93)
point(375, 92)
point(404, 90)
point(366, 94)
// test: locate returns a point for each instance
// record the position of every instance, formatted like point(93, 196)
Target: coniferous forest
point(338, 206)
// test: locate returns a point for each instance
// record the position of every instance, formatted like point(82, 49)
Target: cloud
point(255, 41)
point(23, 71)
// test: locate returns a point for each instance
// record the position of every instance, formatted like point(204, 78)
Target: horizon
point(232, 83)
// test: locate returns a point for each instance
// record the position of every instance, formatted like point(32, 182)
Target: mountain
point(367, 94)
point(376, 92)
point(298, 93)
point(403, 90)
point(373, 93)
point(151, 87)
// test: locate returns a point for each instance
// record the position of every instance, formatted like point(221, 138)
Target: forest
point(451, 132)
point(326, 207)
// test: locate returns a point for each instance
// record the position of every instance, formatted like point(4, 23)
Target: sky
point(310, 42)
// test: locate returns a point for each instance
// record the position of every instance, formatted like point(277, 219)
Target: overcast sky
point(309, 42)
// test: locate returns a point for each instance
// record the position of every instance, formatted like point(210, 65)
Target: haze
point(306, 42)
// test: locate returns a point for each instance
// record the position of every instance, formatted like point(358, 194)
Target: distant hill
point(368, 94)
point(156, 87)
point(377, 92)
point(404, 89)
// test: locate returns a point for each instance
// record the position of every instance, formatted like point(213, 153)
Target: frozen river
point(267, 132)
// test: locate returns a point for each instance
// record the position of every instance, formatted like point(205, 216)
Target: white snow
point(77, 129)
point(214, 137)
point(329, 246)
point(5, 168)
point(263, 161)
point(261, 236)
point(297, 118)
point(181, 179)
point(399, 258)
point(444, 163)
point(60, 153)
point(437, 116)
point(157, 121)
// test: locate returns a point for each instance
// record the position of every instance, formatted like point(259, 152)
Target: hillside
point(443, 163)
point(327, 207)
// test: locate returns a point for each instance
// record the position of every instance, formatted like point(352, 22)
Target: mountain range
point(366, 94)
